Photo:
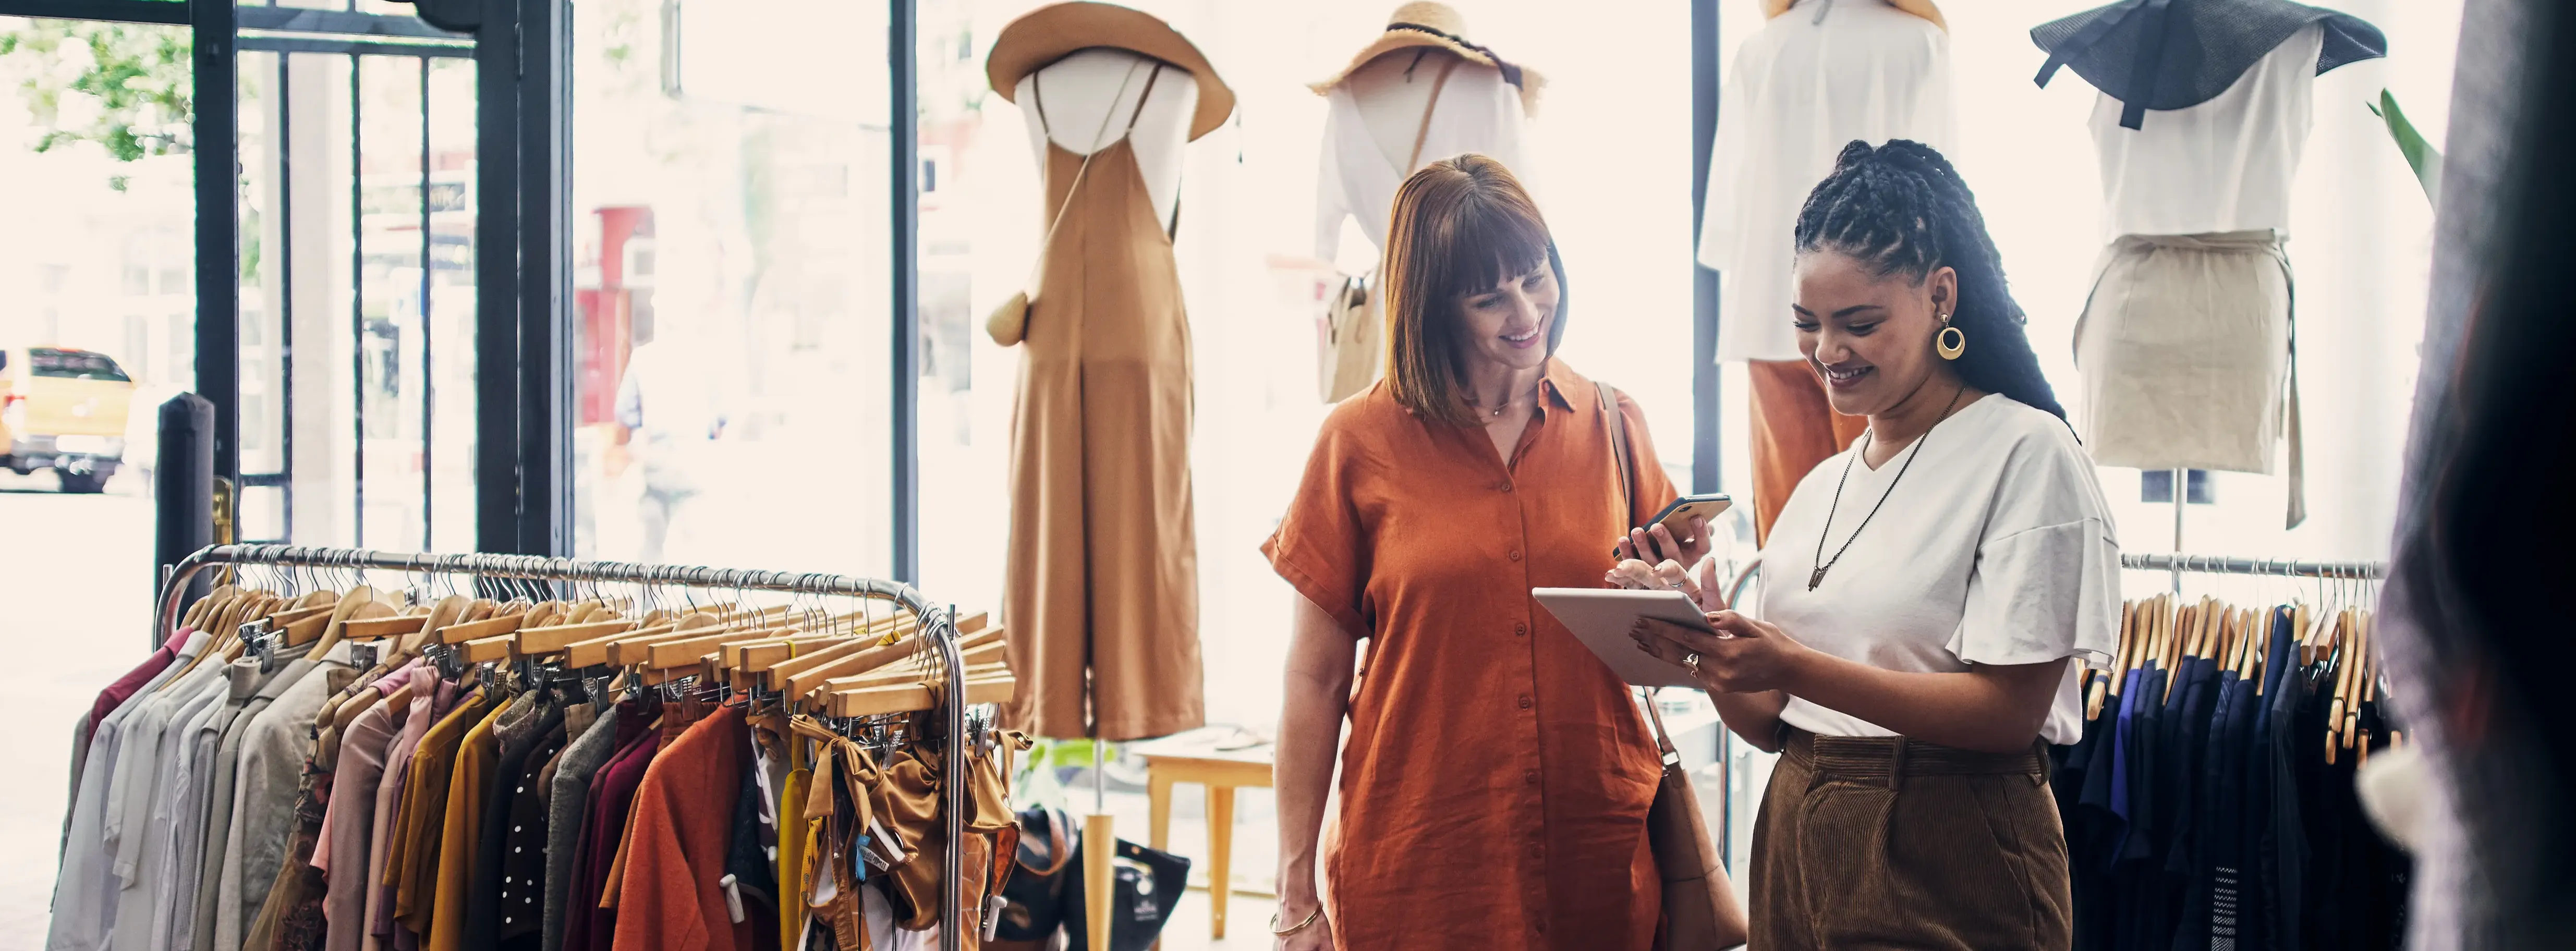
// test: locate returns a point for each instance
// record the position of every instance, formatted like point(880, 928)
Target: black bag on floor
point(1149, 886)
point(1047, 891)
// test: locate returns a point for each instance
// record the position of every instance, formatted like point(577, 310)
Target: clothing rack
point(2279, 567)
point(937, 627)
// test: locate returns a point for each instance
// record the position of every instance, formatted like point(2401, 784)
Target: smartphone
point(1674, 516)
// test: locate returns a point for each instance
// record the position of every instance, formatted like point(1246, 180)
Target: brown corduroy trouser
point(1884, 842)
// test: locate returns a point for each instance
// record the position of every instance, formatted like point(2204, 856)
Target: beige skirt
point(2186, 351)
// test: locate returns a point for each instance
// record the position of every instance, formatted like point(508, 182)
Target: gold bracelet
point(1300, 926)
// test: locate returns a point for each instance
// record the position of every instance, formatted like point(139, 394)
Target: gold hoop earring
point(1951, 341)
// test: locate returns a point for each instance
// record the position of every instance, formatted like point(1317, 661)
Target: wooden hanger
point(447, 611)
point(477, 630)
point(991, 653)
point(553, 639)
point(878, 701)
point(379, 628)
point(799, 679)
point(194, 618)
point(854, 665)
point(689, 649)
point(594, 652)
point(496, 647)
point(633, 650)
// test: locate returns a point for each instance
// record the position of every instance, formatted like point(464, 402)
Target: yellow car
point(64, 410)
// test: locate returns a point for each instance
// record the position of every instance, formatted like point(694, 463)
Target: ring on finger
point(1690, 662)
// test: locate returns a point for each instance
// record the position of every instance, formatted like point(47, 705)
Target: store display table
point(1223, 760)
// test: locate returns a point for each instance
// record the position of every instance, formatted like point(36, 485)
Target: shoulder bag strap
point(1616, 424)
point(1423, 134)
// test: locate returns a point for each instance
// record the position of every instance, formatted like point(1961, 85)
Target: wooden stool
point(1194, 758)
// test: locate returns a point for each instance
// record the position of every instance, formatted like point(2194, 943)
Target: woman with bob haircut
point(1496, 780)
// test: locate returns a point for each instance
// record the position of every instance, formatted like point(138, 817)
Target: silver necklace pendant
point(1816, 577)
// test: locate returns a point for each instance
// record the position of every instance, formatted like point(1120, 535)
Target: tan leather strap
point(1423, 134)
point(1617, 424)
point(1059, 845)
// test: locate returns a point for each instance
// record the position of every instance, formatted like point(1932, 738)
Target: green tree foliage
point(124, 86)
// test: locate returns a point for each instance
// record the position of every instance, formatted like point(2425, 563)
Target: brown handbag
point(1700, 910)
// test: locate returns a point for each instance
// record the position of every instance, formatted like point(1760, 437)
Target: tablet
point(1601, 617)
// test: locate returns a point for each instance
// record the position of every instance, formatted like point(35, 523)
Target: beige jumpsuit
point(1103, 564)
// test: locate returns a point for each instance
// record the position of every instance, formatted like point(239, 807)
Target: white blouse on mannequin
point(2222, 165)
point(1478, 112)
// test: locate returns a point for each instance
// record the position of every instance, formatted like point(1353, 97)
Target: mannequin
point(1391, 91)
point(1478, 112)
point(1819, 74)
point(1080, 89)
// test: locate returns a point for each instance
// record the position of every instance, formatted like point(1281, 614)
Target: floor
point(74, 611)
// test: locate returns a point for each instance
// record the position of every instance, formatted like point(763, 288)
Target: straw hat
point(1425, 24)
point(1050, 33)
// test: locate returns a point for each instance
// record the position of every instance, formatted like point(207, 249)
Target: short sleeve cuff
point(2043, 594)
point(1336, 600)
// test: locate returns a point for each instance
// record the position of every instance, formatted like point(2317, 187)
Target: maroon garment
point(123, 689)
point(588, 927)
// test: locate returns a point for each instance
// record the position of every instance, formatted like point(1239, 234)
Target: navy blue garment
point(2137, 876)
point(2214, 912)
point(2188, 733)
point(2081, 768)
point(2285, 888)
point(2257, 919)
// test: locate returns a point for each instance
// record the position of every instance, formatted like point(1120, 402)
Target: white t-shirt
point(2222, 165)
point(1800, 91)
point(1995, 548)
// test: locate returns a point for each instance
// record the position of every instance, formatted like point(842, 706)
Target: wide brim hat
point(1051, 33)
point(2187, 63)
point(1435, 25)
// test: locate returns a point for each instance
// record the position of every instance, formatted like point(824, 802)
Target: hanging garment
point(357, 778)
point(1800, 90)
point(1531, 833)
point(567, 809)
point(681, 821)
point(505, 910)
point(114, 695)
point(86, 887)
point(432, 700)
point(2185, 347)
point(273, 751)
point(1101, 590)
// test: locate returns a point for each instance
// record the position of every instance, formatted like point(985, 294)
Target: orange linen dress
point(1495, 783)
point(1100, 597)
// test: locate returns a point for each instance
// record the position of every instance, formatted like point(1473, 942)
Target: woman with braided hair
point(1925, 592)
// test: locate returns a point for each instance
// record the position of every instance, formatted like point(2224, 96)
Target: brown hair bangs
point(1460, 225)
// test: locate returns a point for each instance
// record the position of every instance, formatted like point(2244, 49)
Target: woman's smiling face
point(1507, 324)
point(1868, 335)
